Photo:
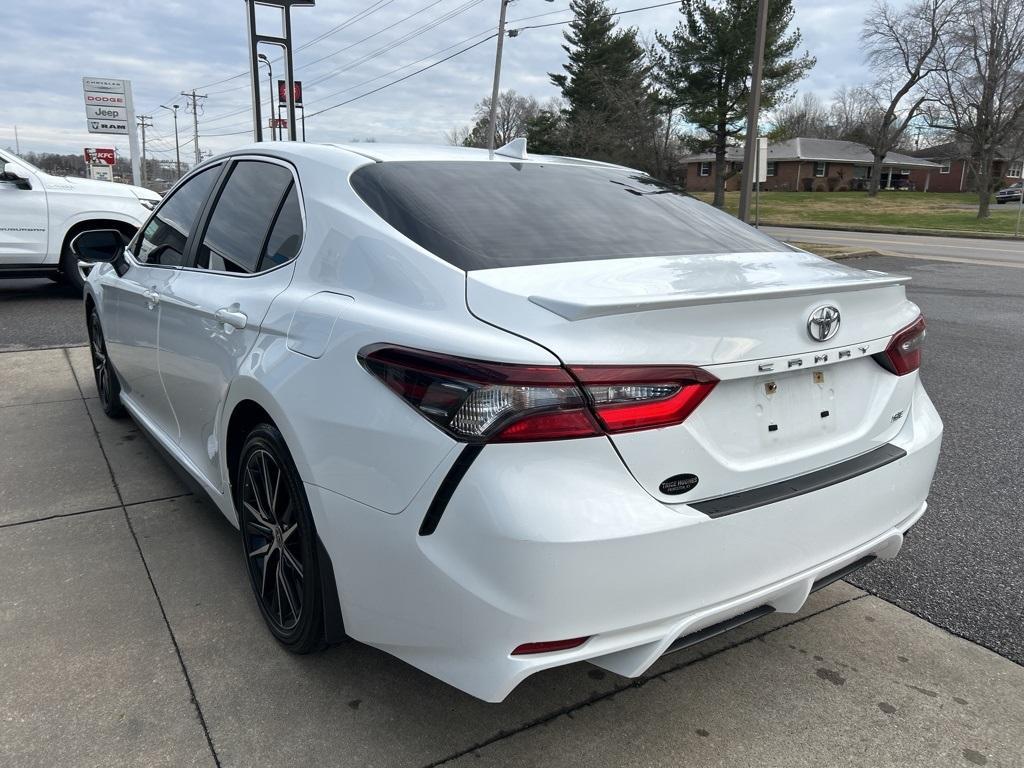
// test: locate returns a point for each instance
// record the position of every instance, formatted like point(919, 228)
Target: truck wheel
point(73, 272)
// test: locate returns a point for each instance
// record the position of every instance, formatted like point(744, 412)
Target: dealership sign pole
point(283, 39)
point(109, 109)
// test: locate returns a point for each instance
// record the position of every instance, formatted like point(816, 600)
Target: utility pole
point(144, 125)
point(753, 110)
point(17, 144)
point(193, 98)
point(177, 145)
point(497, 76)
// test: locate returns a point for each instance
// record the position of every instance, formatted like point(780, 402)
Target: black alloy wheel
point(107, 384)
point(279, 541)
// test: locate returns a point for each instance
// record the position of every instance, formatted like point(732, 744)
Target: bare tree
point(900, 46)
point(980, 84)
point(514, 114)
point(805, 116)
point(456, 136)
point(850, 113)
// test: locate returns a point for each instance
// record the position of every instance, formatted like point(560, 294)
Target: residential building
point(955, 173)
point(807, 164)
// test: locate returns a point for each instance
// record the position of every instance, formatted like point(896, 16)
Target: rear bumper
point(542, 543)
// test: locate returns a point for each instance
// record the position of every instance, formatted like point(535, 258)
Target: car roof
point(380, 152)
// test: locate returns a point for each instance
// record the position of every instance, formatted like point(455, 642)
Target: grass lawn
point(890, 210)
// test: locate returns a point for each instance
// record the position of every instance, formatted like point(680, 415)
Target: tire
point(71, 273)
point(107, 384)
point(279, 542)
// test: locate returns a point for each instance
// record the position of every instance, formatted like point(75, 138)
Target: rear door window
point(246, 210)
point(487, 214)
point(286, 235)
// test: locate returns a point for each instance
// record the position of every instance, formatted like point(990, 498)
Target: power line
point(447, 48)
point(400, 41)
point(469, 48)
point(369, 56)
point(370, 9)
point(379, 31)
point(421, 30)
point(614, 13)
point(406, 77)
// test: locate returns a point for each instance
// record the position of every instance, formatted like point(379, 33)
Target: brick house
point(955, 175)
point(806, 165)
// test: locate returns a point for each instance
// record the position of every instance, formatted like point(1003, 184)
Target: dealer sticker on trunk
point(678, 484)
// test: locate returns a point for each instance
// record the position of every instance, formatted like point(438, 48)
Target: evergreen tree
point(707, 63)
point(608, 113)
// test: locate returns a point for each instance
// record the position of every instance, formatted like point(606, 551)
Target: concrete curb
point(894, 230)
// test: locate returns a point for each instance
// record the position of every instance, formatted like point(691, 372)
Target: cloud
point(168, 47)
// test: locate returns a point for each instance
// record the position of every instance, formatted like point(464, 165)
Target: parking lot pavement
point(39, 313)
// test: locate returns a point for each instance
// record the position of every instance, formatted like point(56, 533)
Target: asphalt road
point(963, 565)
point(974, 250)
point(36, 314)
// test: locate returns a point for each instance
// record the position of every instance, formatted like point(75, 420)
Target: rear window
point(482, 215)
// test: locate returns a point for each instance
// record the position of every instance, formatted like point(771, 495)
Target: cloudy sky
point(347, 49)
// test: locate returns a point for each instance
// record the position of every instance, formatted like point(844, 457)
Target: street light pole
point(177, 146)
point(270, 89)
point(753, 110)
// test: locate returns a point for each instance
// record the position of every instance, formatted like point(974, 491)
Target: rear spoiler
point(583, 309)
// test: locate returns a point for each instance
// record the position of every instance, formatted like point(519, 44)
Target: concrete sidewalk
point(128, 636)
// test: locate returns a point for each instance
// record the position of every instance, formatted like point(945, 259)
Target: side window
point(286, 235)
point(242, 217)
point(165, 236)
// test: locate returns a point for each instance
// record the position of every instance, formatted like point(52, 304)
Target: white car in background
point(40, 214)
point(495, 414)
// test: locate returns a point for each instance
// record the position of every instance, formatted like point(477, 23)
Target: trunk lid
point(785, 403)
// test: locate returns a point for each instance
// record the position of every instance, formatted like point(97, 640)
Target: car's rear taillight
point(903, 354)
point(627, 398)
point(479, 401)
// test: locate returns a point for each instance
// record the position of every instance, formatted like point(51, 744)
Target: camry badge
point(823, 323)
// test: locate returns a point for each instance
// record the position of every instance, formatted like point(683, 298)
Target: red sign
point(97, 155)
point(278, 122)
point(296, 92)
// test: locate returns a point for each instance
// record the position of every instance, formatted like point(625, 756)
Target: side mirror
point(98, 245)
point(11, 171)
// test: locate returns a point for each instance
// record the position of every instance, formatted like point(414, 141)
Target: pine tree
point(609, 113)
point(707, 63)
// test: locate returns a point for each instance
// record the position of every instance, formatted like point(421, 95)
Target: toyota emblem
point(823, 323)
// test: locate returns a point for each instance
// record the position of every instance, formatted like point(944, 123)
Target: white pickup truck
point(40, 214)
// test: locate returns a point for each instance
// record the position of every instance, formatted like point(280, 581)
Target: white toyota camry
point(495, 414)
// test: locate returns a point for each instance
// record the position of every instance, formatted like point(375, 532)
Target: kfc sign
point(97, 155)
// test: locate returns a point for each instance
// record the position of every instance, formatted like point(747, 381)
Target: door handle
point(232, 317)
point(152, 298)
